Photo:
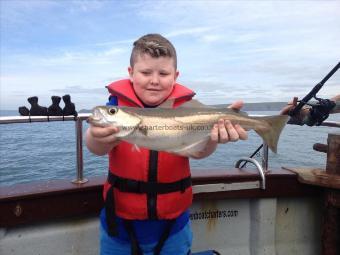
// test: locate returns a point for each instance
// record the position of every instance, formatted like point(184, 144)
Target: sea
point(47, 151)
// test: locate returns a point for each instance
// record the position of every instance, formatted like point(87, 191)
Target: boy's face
point(153, 78)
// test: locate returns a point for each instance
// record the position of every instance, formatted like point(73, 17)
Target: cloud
point(192, 31)
point(76, 89)
point(67, 56)
point(262, 50)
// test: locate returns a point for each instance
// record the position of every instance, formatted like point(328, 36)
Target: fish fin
point(193, 103)
point(238, 111)
point(192, 148)
point(135, 148)
point(271, 136)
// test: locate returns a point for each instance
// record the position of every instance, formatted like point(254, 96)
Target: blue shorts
point(177, 244)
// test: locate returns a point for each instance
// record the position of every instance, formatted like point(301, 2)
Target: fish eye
point(112, 110)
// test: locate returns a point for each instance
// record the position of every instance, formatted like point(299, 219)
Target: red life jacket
point(135, 170)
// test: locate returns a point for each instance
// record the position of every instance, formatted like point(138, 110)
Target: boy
point(148, 193)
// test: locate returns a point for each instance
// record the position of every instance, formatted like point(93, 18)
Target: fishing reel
point(318, 112)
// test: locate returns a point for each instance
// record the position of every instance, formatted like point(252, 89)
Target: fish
point(183, 129)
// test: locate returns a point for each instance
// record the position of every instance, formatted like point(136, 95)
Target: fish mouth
point(96, 117)
point(100, 120)
point(93, 119)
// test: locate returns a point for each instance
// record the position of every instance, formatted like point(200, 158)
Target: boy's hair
point(154, 45)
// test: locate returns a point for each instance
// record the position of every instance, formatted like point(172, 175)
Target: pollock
point(183, 129)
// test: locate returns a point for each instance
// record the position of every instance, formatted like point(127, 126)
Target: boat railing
point(78, 129)
point(79, 141)
point(257, 165)
point(80, 179)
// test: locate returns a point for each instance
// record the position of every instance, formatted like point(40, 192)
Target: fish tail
point(271, 134)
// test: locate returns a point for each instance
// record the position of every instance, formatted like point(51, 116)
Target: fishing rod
point(314, 91)
point(318, 112)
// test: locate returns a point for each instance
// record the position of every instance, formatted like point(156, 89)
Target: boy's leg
point(179, 243)
point(112, 246)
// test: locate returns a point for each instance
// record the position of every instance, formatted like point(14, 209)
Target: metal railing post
point(79, 155)
point(265, 157)
point(258, 167)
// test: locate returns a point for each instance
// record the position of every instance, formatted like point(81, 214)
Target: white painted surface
point(226, 231)
point(285, 226)
point(60, 238)
point(234, 226)
point(218, 187)
point(262, 226)
point(298, 224)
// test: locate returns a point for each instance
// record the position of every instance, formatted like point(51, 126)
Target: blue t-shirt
point(113, 100)
point(147, 231)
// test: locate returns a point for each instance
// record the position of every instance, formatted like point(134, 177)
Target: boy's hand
point(224, 131)
point(103, 134)
point(100, 140)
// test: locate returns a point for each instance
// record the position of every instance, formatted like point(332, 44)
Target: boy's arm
point(222, 132)
point(100, 140)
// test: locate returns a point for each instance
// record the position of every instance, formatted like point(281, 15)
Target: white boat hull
point(266, 226)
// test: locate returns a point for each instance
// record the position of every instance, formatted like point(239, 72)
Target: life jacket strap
point(110, 212)
point(142, 187)
point(135, 248)
point(164, 237)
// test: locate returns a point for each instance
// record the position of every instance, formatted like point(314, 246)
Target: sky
point(257, 51)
